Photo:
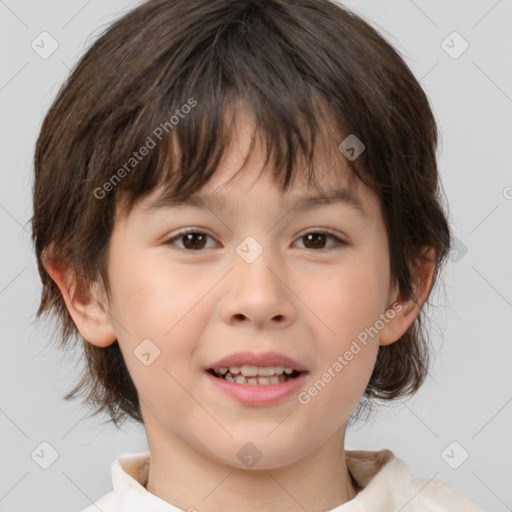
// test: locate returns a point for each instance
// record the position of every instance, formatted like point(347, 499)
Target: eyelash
point(188, 231)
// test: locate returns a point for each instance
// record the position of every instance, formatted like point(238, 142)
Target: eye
point(317, 238)
point(194, 240)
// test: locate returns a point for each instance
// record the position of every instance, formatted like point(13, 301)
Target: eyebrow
point(214, 202)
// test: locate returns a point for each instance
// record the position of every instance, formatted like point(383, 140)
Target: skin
point(306, 300)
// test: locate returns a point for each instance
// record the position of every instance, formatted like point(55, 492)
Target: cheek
point(333, 392)
point(154, 298)
point(336, 388)
point(350, 300)
point(161, 311)
point(350, 304)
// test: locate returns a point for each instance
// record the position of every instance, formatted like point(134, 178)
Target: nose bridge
point(253, 264)
point(257, 290)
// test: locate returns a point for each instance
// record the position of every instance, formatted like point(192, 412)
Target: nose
point(258, 293)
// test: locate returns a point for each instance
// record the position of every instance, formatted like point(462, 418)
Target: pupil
point(192, 237)
point(314, 236)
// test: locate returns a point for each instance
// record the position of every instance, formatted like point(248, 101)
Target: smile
point(255, 375)
point(257, 391)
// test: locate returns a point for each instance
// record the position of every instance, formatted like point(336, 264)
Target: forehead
point(245, 173)
point(301, 195)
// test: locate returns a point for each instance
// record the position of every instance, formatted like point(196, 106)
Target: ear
point(91, 318)
point(406, 310)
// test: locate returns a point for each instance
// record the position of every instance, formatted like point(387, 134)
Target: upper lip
point(257, 359)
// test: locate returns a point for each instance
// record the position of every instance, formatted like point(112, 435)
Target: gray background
point(468, 397)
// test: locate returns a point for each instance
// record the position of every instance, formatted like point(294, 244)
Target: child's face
point(202, 299)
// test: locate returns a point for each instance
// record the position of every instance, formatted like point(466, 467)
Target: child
point(237, 212)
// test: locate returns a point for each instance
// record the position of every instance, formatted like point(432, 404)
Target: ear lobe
point(406, 310)
point(89, 315)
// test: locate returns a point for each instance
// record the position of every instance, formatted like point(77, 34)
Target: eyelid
point(186, 231)
point(339, 239)
point(324, 231)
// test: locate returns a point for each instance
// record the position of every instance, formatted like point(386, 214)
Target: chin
point(263, 454)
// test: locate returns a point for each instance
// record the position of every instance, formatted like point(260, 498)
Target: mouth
point(255, 375)
point(257, 369)
point(257, 380)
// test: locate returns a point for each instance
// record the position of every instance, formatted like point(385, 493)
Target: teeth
point(248, 374)
point(256, 381)
point(254, 371)
point(267, 371)
point(249, 371)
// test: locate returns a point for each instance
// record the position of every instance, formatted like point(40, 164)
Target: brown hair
point(300, 65)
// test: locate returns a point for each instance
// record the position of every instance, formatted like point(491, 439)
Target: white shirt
point(387, 487)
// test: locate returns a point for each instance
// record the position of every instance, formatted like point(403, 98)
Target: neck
point(189, 479)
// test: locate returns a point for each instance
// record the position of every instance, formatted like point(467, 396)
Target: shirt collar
point(129, 479)
point(372, 470)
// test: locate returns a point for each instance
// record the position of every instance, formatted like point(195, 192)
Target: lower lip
point(259, 395)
